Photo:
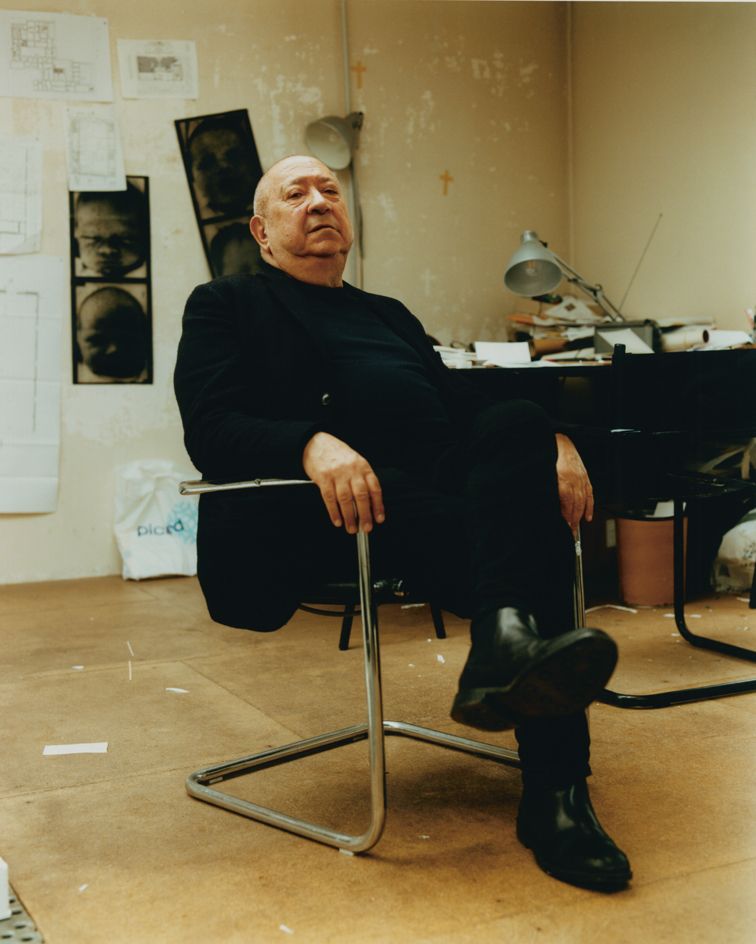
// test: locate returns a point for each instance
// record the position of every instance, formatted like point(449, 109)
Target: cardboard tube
point(682, 338)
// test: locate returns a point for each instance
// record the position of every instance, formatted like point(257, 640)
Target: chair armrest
point(202, 487)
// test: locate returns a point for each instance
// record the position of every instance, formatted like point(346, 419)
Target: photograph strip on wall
point(222, 170)
point(111, 297)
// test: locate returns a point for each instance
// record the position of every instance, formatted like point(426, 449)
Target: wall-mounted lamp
point(535, 270)
point(333, 140)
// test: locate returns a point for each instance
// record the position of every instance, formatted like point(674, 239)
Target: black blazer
point(253, 383)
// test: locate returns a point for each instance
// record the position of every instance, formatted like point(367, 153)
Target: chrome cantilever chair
point(202, 784)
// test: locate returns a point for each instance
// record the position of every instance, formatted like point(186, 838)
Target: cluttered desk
point(653, 407)
point(650, 429)
point(647, 400)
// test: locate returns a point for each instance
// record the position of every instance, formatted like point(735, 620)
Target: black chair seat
point(346, 596)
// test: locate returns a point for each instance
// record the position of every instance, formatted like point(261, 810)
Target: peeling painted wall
point(469, 91)
point(664, 123)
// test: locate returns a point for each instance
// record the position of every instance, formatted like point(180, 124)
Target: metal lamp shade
point(331, 140)
point(532, 269)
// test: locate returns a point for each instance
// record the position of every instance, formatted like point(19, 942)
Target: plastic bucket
point(644, 554)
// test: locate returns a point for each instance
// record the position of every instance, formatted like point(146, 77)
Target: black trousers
point(478, 529)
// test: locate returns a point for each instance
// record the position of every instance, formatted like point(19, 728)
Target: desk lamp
point(535, 270)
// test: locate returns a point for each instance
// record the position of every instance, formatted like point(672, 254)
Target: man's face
point(111, 335)
point(304, 215)
point(110, 242)
point(223, 170)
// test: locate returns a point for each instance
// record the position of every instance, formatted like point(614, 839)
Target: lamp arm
point(596, 292)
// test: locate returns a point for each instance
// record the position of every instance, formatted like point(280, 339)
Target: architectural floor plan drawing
point(158, 68)
point(32, 293)
point(53, 55)
point(95, 159)
point(20, 195)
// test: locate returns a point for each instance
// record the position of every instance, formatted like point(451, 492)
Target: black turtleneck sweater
point(387, 408)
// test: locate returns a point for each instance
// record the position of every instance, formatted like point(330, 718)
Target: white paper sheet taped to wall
point(33, 303)
point(20, 195)
point(95, 156)
point(54, 55)
point(158, 68)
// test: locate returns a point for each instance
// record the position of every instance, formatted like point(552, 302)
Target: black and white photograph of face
point(112, 337)
point(111, 233)
point(233, 250)
point(221, 163)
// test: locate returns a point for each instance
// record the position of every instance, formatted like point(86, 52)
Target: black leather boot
point(512, 673)
point(561, 828)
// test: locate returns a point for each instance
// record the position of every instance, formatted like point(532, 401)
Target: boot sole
point(565, 680)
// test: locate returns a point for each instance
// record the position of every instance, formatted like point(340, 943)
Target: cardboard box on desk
point(639, 337)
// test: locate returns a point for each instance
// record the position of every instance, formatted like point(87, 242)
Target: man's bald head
point(270, 177)
point(301, 222)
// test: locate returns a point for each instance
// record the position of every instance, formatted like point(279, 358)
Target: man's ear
point(257, 228)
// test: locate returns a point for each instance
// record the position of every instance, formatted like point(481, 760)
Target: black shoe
point(512, 673)
point(560, 826)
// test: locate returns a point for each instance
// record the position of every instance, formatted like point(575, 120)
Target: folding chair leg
point(438, 621)
point(680, 696)
point(201, 783)
point(346, 627)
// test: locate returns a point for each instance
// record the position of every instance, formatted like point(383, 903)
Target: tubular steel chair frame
point(201, 783)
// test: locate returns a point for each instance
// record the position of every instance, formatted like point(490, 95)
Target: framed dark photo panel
point(111, 298)
point(112, 333)
point(222, 170)
point(110, 232)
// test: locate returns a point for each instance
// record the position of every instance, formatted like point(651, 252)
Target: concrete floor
point(107, 848)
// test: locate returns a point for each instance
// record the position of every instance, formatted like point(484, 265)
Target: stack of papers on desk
point(503, 353)
point(456, 356)
point(559, 327)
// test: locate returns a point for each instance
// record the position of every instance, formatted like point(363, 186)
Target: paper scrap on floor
point(95, 747)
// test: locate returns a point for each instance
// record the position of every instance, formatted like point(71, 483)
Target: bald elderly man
point(292, 372)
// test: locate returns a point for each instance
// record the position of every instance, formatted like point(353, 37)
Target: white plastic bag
point(734, 566)
point(155, 527)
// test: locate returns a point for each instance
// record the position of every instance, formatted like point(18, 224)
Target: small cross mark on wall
point(447, 179)
point(359, 69)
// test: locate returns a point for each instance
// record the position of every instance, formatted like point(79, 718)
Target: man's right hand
point(350, 489)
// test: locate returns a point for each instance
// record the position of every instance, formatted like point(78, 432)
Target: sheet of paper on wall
point(20, 195)
point(33, 304)
point(54, 55)
point(95, 158)
point(503, 353)
point(158, 68)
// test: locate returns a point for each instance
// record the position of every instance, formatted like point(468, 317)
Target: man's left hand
point(575, 490)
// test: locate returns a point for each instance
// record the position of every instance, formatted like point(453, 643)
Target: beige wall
point(473, 88)
point(664, 99)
